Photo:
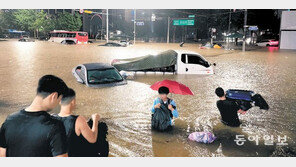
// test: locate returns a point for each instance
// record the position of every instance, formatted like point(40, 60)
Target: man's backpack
point(101, 147)
point(161, 119)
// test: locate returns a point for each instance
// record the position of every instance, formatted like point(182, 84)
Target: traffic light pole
point(168, 33)
point(135, 26)
point(107, 26)
point(229, 22)
point(245, 29)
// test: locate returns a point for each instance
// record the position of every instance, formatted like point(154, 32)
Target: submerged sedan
point(114, 44)
point(98, 75)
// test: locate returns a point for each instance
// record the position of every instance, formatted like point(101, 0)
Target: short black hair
point(163, 90)
point(49, 84)
point(68, 96)
point(219, 92)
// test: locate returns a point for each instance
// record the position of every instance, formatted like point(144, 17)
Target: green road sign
point(188, 22)
point(191, 16)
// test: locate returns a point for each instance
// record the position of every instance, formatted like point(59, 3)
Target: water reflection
point(126, 109)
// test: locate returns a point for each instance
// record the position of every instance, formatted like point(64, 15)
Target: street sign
point(191, 16)
point(253, 28)
point(187, 22)
point(140, 23)
point(87, 11)
point(81, 11)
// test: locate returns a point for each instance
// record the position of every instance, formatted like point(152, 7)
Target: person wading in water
point(32, 132)
point(78, 132)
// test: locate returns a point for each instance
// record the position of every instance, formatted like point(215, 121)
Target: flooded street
point(126, 109)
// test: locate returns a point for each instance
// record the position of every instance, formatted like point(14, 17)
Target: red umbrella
point(174, 87)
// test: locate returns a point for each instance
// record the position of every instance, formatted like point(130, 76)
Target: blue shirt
point(175, 112)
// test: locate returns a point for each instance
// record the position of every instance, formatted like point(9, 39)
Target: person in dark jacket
point(228, 109)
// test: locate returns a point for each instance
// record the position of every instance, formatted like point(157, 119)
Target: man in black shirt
point(79, 134)
point(228, 109)
point(32, 132)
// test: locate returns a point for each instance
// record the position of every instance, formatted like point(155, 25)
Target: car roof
point(97, 66)
point(113, 43)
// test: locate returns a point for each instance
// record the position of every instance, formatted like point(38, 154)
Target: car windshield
point(103, 76)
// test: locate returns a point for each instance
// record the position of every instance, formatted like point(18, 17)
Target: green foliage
point(43, 23)
point(67, 21)
point(32, 20)
point(26, 19)
point(7, 19)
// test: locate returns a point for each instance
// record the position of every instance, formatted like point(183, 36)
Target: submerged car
point(26, 39)
point(68, 42)
point(113, 44)
point(98, 75)
point(125, 42)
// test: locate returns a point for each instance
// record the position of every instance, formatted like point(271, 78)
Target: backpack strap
point(169, 102)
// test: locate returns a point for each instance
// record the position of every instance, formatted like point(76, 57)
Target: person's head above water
point(163, 92)
point(69, 99)
point(50, 90)
point(220, 92)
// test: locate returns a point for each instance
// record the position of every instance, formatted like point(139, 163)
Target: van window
point(62, 35)
point(183, 58)
point(82, 34)
point(71, 35)
point(195, 59)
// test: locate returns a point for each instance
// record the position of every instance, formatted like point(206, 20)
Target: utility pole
point(168, 33)
point(135, 26)
point(245, 29)
point(107, 26)
point(229, 22)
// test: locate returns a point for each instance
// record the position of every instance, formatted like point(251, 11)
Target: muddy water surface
point(126, 109)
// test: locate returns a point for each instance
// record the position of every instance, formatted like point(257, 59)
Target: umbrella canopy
point(174, 87)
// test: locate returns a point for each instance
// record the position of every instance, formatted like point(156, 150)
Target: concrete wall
point(288, 30)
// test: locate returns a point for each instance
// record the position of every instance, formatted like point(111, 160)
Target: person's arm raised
point(2, 152)
point(82, 128)
point(63, 155)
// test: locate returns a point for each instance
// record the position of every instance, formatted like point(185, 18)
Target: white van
point(170, 61)
point(189, 62)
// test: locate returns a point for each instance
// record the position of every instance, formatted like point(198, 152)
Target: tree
point(36, 21)
point(7, 20)
point(67, 21)
point(25, 19)
point(43, 23)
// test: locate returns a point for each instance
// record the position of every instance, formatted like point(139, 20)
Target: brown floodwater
point(126, 109)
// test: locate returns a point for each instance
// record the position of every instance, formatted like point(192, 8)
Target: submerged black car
point(113, 44)
point(98, 75)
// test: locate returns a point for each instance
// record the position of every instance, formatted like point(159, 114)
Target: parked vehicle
point(98, 75)
point(124, 42)
point(25, 38)
point(113, 44)
point(268, 43)
point(71, 37)
point(180, 62)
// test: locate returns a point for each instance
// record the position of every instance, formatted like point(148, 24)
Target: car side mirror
point(124, 77)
